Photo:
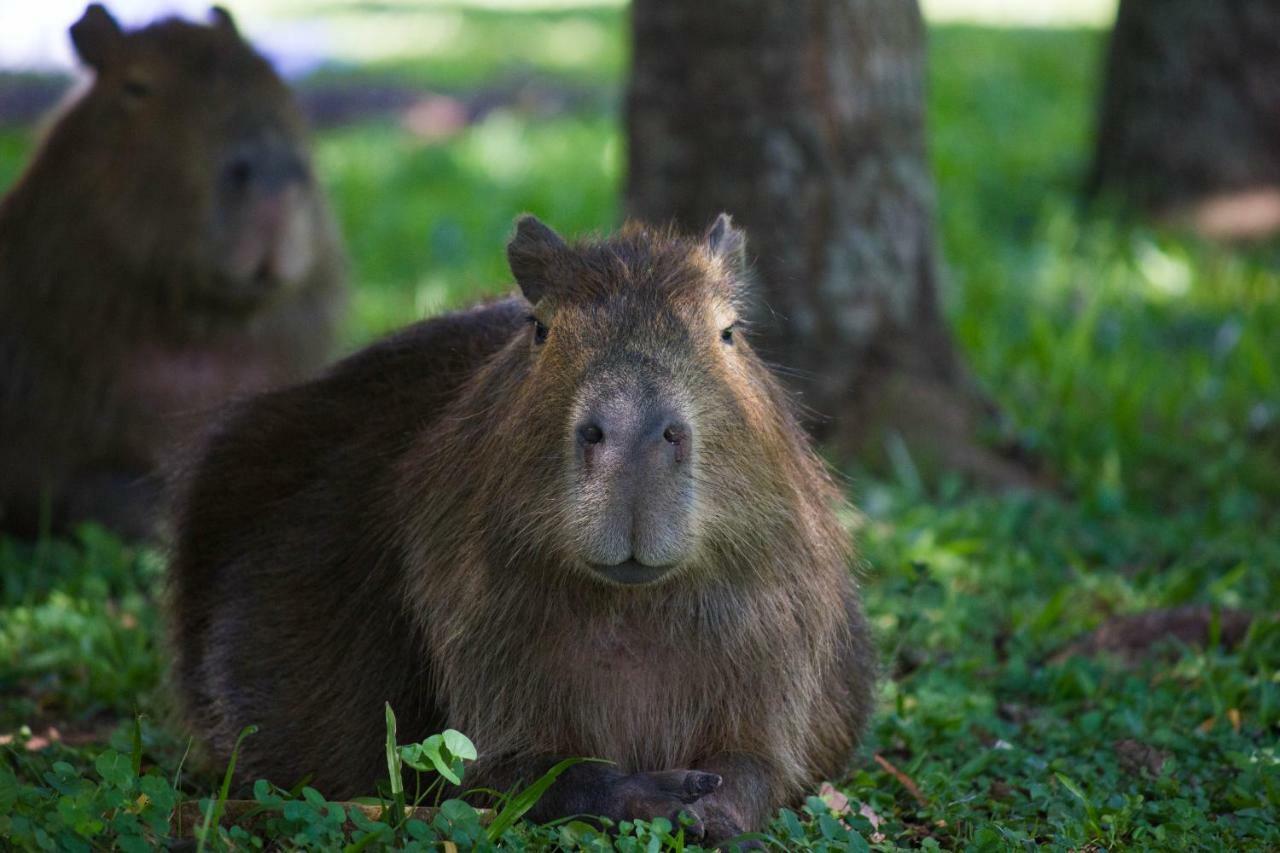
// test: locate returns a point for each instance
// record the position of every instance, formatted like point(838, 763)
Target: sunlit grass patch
point(1021, 13)
point(426, 223)
point(453, 44)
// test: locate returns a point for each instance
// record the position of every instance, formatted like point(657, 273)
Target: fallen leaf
point(875, 820)
point(835, 800)
point(35, 743)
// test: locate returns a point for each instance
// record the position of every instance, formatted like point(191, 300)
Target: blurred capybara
point(582, 522)
point(166, 249)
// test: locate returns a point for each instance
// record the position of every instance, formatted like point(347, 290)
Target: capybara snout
point(263, 161)
point(262, 208)
point(264, 225)
point(633, 482)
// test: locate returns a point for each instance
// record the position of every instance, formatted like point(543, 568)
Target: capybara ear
point(96, 36)
point(223, 22)
point(532, 253)
point(727, 243)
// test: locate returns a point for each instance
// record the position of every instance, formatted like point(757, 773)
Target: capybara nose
point(635, 484)
point(635, 439)
point(265, 166)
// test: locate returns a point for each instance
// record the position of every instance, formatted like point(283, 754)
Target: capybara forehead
point(643, 272)
point(203, 52)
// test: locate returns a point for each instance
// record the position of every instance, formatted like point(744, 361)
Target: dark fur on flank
point(139, 284)
point(404, 529)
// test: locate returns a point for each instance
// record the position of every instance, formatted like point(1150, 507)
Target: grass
point(1139, 364)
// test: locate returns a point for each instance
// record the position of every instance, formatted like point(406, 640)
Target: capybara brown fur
point(581, 521)
point(166, 249)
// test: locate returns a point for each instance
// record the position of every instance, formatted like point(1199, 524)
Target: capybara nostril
point(265, 165)
point(590, 433)
point(679, 437)
point(240, 172)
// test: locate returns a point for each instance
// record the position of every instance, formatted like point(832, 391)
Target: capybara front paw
point(666, 794)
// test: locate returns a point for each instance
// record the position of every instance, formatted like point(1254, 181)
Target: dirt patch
point(1138, 636)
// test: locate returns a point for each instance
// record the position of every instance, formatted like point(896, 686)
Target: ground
point(1141, 367)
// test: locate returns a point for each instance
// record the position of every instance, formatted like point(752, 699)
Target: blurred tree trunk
point(804, 119)
point(1189, 123)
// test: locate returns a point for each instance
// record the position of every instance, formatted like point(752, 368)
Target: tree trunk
point(1189, 124)
point(804, 119)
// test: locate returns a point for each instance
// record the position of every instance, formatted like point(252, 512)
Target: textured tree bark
point(1189, 119)
point(804, 119)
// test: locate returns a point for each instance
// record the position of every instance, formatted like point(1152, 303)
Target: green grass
point(1142, 366)
point(426, 224)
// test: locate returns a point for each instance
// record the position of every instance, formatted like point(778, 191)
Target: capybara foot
point(722, 822)
point(666, 794)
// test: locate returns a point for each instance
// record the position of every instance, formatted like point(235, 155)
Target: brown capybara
point(166, 249)
point(579, 523)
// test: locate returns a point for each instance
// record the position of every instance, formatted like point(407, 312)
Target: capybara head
point(660, 439)
point(200, 149)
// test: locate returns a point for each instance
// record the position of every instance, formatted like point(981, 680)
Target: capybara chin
point(166, 249)
point(580, 522)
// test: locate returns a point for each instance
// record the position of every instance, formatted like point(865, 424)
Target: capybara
point(580, 522)
point(167, 248)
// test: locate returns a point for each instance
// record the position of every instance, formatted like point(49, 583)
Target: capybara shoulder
point(167, 249)
point(578, 522)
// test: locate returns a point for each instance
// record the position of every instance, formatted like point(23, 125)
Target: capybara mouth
point(632, 572)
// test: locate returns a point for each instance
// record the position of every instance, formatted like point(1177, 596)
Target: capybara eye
point(136, 88)
point(726, 334)
point(540, 331)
